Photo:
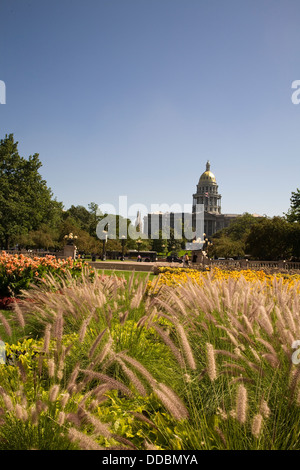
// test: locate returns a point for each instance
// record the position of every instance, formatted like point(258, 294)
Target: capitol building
point(207, 194)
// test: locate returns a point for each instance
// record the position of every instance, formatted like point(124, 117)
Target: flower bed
point(18, 272)
point(178, 276)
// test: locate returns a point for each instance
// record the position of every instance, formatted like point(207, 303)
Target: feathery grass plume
point(169, 343)
point(21, 412)
point(107, 349)
point(264, 409)
point(241, 404)
point(47, 337)
point(257, 357)
point(99, 427)
point(58, 327)
point(173, 396)
point(257, 425)
point(242, 380)
point(6, 325)
point(53, 392)
point(152, 381)
point(231, 337)
point(224, 352)
point(34, 415)
point(125, 441)
point(167, 305)
point(211, 362)
point(83, 328)
point(220, 433)
point(264, 320)
point(130, 282)
point(289, 318)
point(272, 360)
point(248, 324)
point(142, 417)
point(133, 378)
point(6, 399)
point(61, 418)
point(149, 446)
point(170, 404)
point(96, 343)
point(186, 346)
point(19, 315)
point(51, 367)
point(71, 386)
point(123, 317)
point(106, 379)
point(294, 379)
point(85, 442)
point(137, 298)
point(64, 399)
point(178, 301)
point(233, 367)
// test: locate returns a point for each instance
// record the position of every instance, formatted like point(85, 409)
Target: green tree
point(25, 200)
point(270, 239)
point(231, 241)
point(225, 247)
point(159, 244)
point(293, 214)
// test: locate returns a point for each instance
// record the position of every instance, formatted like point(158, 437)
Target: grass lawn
point(127, 274)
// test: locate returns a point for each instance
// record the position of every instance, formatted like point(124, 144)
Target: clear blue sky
point(132, 97)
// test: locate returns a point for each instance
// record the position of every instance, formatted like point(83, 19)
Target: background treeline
point(31, 217)
point(261, 238)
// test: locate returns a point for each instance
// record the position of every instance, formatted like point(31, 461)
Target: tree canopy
point(293, 215)
point(25, 200)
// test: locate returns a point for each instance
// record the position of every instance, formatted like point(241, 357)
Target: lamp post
point(70, 238)
point(70, 248)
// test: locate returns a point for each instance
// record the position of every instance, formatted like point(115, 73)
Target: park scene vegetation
point(181, 360)
point(108, 362)
point(32, 218)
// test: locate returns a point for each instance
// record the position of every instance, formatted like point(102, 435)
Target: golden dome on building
point(207, 176)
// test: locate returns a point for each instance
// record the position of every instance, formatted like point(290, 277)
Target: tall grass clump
point(106, 363)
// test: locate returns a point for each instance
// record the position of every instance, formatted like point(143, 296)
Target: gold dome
point(207, 176)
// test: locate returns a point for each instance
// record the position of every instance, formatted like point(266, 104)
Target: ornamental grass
point(104, 363)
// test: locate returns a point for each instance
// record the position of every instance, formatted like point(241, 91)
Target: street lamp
point(70, 238)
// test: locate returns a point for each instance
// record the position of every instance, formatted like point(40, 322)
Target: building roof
point(207, 176)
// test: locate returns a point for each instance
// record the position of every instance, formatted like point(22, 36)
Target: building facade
point(207, 195)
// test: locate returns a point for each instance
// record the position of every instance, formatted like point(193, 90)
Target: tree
point(25, 200)
point(225, 247)
point(293, 214)
point(270, 239)
point(230, 242)
point(159, 244)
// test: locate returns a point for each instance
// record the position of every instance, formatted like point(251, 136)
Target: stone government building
point(207, 194)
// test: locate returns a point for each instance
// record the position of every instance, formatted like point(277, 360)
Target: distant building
point(207, 194)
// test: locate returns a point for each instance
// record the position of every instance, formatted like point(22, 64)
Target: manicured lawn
point(138, 275)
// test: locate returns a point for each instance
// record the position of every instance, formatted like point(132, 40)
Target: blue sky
point(132, 97)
